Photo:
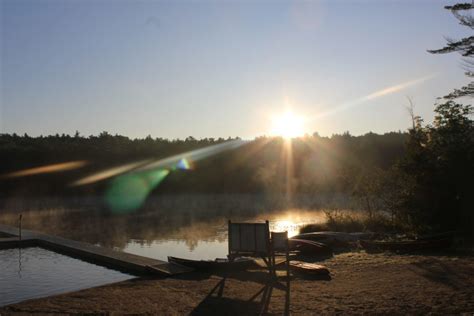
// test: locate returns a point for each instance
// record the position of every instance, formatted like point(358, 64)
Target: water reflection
point(19, 262)
point(185, 226)
point(45, 273)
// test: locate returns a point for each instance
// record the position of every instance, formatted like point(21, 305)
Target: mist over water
point(191, 226)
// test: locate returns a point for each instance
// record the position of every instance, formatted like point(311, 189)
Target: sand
point(360, 283)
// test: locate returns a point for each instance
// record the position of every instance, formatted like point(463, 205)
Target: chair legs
point(274, 266)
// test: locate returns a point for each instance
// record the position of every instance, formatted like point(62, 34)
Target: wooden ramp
point(14, 242)
point(99, 255)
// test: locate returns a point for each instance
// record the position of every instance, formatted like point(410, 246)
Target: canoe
point(308, 247)
point(408, 245)
point(308, 268)
point(334, 239)
point(239, 264)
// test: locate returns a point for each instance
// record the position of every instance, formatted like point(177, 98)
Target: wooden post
point(288, 264)
point(229, 256)
point(273, 261)
point(287, 293)
point(270, 250)
point(19, 226)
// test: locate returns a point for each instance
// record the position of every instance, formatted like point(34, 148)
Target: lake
point(189, 226)
point(36, 272)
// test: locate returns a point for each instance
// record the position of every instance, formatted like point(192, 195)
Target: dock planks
point(99, 255)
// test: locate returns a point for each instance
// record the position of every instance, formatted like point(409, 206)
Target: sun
point(287, 125)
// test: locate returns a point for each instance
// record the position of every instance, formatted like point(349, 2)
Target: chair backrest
point(280, 241)
point(250, 239)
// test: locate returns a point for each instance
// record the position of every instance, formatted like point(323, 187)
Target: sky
point(174, 69)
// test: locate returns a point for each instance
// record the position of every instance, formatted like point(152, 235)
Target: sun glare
point(287, 125)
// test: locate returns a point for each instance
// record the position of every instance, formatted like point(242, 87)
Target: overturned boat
point(238, 264)
point(308, 247)
point(334, 239)
point(309, 268)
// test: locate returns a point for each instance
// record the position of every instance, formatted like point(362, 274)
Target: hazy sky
point(221, 68)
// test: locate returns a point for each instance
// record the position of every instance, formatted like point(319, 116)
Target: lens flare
point(184, 164)
point(109, 173)
point(65, 166)
point(374, 95)
point(128, 192)
point(133, 182)
point(194, 155)
point(396, 88)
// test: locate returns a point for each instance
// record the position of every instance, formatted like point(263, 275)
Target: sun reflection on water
point(293, 219)
point(285, 225)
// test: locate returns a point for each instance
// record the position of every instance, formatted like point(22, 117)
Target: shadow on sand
point(438, 271)
point(257, 304)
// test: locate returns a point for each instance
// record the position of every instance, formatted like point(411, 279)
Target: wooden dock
point(99, 255)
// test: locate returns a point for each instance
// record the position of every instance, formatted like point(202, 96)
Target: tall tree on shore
point(437, 169)
point(464, 46)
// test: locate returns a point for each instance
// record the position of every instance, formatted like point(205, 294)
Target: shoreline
point(360, 283)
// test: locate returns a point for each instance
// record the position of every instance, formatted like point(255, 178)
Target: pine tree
point(464, 46)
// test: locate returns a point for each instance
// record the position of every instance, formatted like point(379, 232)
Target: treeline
point(311, 164)
point(23, 151)
point(423, 177)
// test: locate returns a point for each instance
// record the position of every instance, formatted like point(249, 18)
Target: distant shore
point(360, 284)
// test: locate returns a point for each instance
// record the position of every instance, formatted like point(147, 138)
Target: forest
point(318, 164)
point(422, 177)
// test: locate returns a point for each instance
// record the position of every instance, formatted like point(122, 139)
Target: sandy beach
point(360, 283)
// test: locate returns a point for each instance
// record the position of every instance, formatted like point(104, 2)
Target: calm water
point(36, 272)
point(182, 226)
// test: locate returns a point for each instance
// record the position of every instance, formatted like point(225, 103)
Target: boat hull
point(308, 268)
point(210, 265)
point(309, 247)
point(334, 239)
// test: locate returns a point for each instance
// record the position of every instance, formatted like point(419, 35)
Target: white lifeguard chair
point(255, 240)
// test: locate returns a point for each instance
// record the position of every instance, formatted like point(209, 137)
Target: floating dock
point(99, 255)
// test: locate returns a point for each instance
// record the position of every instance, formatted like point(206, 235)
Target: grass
point(349, 222)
